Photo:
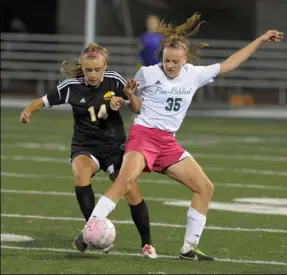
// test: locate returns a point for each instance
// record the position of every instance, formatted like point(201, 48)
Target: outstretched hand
point(25, 116)
point(272, 36)
point(130, 87)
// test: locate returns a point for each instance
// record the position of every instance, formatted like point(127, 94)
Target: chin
point(172, 75)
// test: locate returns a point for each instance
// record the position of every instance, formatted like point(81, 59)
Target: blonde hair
point(177, 37)
point(73, 68)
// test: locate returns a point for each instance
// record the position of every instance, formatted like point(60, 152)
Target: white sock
point(103, 208)
point(194, 227)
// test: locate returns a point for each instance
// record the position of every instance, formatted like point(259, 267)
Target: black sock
point(140, 217)
point(86, 199)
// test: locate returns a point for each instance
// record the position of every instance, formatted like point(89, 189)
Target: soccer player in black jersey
point(99, 137)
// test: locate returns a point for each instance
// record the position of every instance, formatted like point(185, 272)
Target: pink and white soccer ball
point(99, 232)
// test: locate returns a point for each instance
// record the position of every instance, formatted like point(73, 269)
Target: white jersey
point(165, 101)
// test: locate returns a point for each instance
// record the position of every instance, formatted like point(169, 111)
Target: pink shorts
point(159, 148)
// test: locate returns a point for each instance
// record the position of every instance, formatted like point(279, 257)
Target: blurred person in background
point(99, 136)
point(149, 42)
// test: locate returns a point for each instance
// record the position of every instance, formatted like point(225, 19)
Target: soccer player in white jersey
point(161, 94)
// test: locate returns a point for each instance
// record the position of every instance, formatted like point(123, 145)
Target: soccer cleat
point(79, 243)
point(148, 251)
point(195, 254)
point(106, 250)
point(103, 250)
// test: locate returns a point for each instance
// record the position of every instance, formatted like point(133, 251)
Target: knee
point(81, 179)
point(207, 188)
point(126, 182)
point(203, 187)
point(131, 181)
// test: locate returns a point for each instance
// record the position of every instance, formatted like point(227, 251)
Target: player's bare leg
point(126, 180)
point(190, 174)
point(132, 166)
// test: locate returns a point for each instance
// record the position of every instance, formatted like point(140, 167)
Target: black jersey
point(95, 124)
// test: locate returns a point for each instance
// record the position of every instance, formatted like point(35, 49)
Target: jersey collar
point(87, 83)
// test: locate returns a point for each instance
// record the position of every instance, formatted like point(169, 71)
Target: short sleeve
point(58, 96)
point(120, 84)
point(141, 81)
point(205, 74)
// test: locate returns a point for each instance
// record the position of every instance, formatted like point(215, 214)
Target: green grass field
point(244, 158)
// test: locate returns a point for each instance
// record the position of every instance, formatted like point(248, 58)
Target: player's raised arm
point(232, 62)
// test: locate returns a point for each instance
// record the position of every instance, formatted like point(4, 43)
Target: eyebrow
point(171, 59)
point(97, 68)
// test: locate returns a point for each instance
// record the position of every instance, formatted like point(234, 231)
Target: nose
point(93, 74)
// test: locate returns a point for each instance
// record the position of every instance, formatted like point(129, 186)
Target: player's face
point(173, 59)
point(93, 69)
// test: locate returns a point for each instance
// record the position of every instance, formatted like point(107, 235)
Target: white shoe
point(148, 251)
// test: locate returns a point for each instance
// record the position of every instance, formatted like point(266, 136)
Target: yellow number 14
point(102, 113)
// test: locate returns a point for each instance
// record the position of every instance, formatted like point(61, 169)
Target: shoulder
point(70, 82)
point(200, 68)
point(143, 35)
point(149, 69)
point(115, 76)
point(148, 74)
point(189, 67)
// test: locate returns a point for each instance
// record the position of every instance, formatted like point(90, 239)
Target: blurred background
point(36, 38)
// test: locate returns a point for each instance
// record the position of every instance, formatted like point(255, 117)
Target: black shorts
point(110, 164)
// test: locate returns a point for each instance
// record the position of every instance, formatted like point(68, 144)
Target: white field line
point(241, 157)
point(228, 140)
point(35, 158)
point(28, 138)
point(8, 126)
point(63, 250)
point(217, 169)
point(270, 149)
point(157, 224)
point(196, 155)
point(163, 181)
point(184, 139)
point(54, 144)
point(40, 130)
point(248, 171)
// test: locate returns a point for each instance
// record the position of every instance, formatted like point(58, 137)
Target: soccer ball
point(100, 233)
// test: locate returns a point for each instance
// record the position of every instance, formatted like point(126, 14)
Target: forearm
point(35, 105)
point(240, 56)
point(135, 103)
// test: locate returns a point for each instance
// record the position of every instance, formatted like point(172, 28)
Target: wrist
point(260, 39)
point(27, 109)
point(131, 96)
point(124, 102)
